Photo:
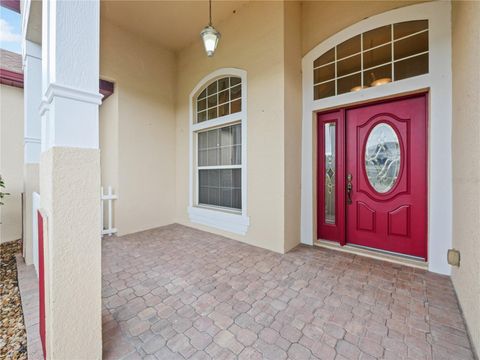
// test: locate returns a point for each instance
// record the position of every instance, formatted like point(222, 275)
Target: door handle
point(349, 189)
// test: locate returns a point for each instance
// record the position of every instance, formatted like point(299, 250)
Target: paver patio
point(176, 292)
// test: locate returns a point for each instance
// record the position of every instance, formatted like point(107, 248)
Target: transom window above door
point(222, 97)
point(376, 57)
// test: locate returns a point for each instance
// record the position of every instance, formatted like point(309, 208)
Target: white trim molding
point(222, 219)
point(231, 222)
point(70, 72)
point(79, 127)
point(438, 82)
point(68, 92)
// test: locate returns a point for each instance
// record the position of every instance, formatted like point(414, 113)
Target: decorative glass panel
point(329, 130)
point(382, 157)
point(216, 99)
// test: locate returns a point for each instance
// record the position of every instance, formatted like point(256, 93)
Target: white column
point(32, 69)
point(32, 98)
point(70, 53)
point(70, 178)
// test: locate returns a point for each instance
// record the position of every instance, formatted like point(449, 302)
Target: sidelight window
point(330, 170)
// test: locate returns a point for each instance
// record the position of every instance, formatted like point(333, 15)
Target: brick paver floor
point(175, 292)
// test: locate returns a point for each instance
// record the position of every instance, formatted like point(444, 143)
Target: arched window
point(218, 126)
point(222, 97)
point(382, 55)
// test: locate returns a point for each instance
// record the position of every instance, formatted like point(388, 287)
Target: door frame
point(338, 115)
point(437, 81)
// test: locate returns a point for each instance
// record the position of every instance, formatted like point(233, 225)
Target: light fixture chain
point(210, 12)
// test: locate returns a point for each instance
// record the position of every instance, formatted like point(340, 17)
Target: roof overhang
point(11, 78)
point(11, 4)
point(15, 79)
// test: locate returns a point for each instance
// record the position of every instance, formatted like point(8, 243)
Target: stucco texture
point(137, 129)
point(258, 27)
point(11, 161)
point(292, 122)
point(466, 160)
point(72, 252)
point(322, 19)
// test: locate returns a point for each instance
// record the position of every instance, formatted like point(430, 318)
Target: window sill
point(227, 221)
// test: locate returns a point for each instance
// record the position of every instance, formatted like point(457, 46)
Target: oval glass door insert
point(382, 157)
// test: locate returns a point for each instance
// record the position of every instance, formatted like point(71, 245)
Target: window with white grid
point(218, 110)
point(376, 57)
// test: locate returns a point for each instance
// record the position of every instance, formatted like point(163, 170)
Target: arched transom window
point(222, 97)
point(382, 55)
point(219, 144)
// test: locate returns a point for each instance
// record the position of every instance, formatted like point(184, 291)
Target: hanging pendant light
point(210, 35)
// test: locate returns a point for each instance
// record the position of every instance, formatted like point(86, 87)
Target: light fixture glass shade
point(210, 38)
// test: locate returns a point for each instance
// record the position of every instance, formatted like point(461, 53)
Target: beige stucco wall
point(293, 121)
point(252, 40)
point(466, 160)
point(11, 161)
point(137, 126)
point(322, 19)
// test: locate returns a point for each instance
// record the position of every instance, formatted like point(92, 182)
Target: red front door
point(386, 178)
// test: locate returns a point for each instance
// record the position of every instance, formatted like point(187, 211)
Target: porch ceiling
point(172, 24)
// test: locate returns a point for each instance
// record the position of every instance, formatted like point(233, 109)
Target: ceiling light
point(210, 35)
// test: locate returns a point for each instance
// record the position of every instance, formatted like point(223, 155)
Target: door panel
point(386, 156)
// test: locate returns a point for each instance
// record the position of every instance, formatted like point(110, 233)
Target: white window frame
point(438, 81)
point(231, 220)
